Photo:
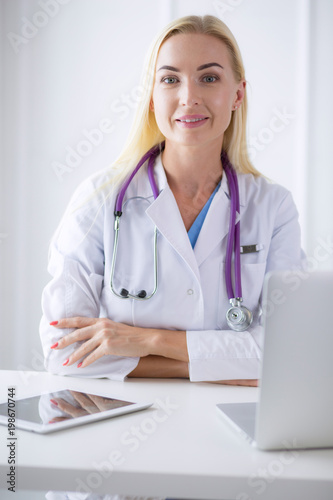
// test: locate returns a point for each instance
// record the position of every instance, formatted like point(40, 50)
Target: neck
point(192, 169)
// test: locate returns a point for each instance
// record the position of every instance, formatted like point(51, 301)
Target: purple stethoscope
point(239, 318)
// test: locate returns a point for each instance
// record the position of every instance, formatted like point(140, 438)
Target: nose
point(189, 94)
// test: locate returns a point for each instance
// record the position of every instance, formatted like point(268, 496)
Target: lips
point(191, 118)
point(191, 121)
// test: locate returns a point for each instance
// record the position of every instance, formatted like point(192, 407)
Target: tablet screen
point(62, 405)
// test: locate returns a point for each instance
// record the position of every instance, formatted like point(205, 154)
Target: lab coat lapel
point(165, 214)
point(216, 225)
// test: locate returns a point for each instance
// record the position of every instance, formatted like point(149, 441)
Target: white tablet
point(53, 411)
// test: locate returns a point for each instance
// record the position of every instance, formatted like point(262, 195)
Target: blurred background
point(70, 76)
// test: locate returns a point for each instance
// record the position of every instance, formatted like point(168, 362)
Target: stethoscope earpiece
point(126, 295)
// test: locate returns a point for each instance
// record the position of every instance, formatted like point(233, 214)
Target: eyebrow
point(203, 66)
point(208, 65)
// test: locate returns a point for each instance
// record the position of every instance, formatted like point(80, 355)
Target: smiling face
point(195, 91)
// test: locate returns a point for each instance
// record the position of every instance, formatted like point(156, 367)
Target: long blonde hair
point(145, 134)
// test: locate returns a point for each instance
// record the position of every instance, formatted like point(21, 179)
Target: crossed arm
point(162, 353)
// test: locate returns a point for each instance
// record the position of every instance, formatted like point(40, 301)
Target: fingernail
point(67, 360)
point(53, 401)
point(80, 364)
point(54, 345)
point(53, 323)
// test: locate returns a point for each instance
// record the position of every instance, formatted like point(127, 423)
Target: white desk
point(185, 452)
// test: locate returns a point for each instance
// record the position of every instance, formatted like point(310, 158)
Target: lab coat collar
point(160, 175)
point(140, 185)
point(165, 214)
point(161, 180)
point(241, 187)
point(216, 224)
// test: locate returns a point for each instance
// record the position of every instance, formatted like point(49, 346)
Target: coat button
point(190, 291)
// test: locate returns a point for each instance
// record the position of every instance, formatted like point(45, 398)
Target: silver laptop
point(295, 408)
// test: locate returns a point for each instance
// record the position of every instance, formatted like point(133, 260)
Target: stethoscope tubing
point(239, 318)
point(151, 155)
point(113, 263)
point(233, 242)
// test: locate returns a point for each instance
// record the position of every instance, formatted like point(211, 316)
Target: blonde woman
point(154, 304)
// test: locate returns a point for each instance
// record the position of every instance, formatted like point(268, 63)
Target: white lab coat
point(191, 291)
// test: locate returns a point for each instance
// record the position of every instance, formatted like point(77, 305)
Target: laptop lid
point(296, 396)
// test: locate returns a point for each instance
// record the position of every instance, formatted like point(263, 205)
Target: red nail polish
point(53, 323)
point(54, 345)
point(53, 401)
point(80, 364)
point(65, 362)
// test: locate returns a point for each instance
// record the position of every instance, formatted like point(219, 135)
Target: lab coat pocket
point(222, 299)
point(112, 307)
point(252, 283)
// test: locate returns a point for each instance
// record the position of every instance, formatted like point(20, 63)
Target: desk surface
point(180, 447)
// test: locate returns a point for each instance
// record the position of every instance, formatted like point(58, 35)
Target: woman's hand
point(247, 382)
point(86, 404)
point(101, 337)
point(162, 350)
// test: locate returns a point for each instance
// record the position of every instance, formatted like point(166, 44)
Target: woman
point(194, 109)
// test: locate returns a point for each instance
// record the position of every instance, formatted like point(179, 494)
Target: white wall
point(79, 69)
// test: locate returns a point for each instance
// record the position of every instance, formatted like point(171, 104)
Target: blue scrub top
point(195, 229)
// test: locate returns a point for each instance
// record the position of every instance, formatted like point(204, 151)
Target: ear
point(239, 94)
point(151, 105)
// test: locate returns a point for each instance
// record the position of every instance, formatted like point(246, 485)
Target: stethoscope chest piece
point(239, 317)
